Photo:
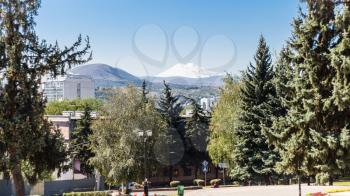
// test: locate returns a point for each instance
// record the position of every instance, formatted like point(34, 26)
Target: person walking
point(145, 187)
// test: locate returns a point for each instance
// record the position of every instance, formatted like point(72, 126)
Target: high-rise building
point(68, 87)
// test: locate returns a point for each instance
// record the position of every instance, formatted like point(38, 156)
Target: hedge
point(175, 183)
point(198, 182)
point(215, 181)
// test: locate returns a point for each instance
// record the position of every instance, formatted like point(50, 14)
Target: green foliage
point(25, 134)
point(80, 144)
point(198, 182)
point(172, 138)
point(174, 183)
point(93, 193)
point(117, 147)
point(215, 181)
point(197, 128)
point(322, 178)
point(253, 158)
point(313, 137)
point(196, 136)
point(169, 107)
point(224, 121)
point(57, 107)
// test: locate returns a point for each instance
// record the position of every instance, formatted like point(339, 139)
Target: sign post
point(205, 170)
point(223, 166)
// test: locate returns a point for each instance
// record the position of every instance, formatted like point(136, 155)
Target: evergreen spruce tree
point(144, 91)
point(197, 135)
point(29, 144)
point(311, 136)
point(80, 144)
point(170, 108)
point(254, 159)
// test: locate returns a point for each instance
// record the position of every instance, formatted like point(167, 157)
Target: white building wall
point(207, 103)
point(72, 87)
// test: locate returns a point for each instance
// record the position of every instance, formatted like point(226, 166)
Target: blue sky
point(215, 30)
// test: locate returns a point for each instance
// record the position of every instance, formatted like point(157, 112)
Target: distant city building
point(68, 87)
point(207, 103)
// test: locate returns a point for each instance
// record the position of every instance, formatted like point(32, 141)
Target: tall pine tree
point(80, 143)
point(197, 135)
point(173, 137)
point(29, 144)
point(254, 159)
point(312, 137)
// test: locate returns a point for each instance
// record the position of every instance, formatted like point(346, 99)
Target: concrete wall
point(5, 187)
point(61, 186)
point(49, 188)
point(87, 88)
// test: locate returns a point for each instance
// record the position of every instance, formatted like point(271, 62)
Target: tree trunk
point(18, 180)
point(299, 185)
point(308, 180)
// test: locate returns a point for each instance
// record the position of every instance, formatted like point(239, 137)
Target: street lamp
point(145, 134)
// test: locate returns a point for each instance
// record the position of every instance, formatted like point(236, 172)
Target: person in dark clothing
point(145, 187)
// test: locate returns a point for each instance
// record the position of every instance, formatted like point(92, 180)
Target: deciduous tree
point(119, 151)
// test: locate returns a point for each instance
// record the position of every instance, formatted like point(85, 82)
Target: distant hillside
point(106, 75)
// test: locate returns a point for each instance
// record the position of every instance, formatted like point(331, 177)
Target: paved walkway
point(282, 190)
point(341, 194)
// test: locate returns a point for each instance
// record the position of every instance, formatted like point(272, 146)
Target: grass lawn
point(342, 183)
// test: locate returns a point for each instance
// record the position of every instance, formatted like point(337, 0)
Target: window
point(79, 90)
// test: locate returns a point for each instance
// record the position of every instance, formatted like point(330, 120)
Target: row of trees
point(291, 117)
point(111, 143)
point(31, 148)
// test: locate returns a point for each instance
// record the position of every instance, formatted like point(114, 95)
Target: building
point(207, 103)
point(68, 87)
point(158, 176)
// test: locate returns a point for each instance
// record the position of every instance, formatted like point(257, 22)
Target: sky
point(146, 37)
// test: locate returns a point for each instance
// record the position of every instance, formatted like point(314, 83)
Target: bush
point(215, 181)
point(198, 182)
point(175, 183)
point(322, 178)
point(94, 193)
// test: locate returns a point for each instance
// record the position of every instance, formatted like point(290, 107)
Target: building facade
point(158, 176)
point(68, 87)
point(207, 104)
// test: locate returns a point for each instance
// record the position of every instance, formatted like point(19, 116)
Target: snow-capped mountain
point(188, 70)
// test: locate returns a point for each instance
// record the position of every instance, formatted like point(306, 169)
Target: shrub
point(322, 178)
point(175, 183)
point(94, 193)
point(198, 182)
point(215, 181)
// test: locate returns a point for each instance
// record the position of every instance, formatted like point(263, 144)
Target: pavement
point(279, 190)
point(340, 194)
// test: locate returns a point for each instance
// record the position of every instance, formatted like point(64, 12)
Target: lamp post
point(144, 134)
